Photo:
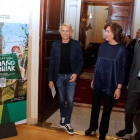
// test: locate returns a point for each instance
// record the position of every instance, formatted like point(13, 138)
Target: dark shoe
point(69, 129)
point(11, 86)
point(88, 132)
point(122, 133)
point(24, 80)
point(102, 136)
point(62, 122)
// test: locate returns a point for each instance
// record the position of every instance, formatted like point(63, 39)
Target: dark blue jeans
point(64, 86)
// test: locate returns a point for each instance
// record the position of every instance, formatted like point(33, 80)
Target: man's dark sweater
point(65, 66)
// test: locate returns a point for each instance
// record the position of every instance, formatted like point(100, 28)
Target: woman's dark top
point(110, 68)
point(65, 66)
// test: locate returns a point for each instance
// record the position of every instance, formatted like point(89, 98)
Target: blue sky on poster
point(13, 34)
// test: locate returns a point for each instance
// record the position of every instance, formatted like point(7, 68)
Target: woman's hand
point(51, 84)
point(73, 78)
point(91, 85)
point(117, 94)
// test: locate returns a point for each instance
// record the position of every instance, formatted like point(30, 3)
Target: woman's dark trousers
point(108, 103)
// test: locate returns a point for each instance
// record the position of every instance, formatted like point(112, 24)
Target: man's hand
point(91, 84)
point(117, 94)
point(51, 84)
point(73, 78)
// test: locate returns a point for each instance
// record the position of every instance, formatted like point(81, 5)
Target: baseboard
point(31, 121)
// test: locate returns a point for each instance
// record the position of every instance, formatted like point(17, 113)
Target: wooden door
point(51, 17)
point(122, 14)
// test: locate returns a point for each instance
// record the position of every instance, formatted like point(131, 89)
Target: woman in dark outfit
point(109, 76)
point(127, 40)
point(130, 50)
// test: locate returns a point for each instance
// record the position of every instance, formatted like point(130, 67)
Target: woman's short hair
point(117, 32)
point(68, 25)
point(128, 36)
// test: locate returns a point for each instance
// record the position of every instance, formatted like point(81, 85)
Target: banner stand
point(7, 130)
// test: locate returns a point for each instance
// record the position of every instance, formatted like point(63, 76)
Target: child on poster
point(18, 51)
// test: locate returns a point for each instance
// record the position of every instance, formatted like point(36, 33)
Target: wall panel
point(72, 16)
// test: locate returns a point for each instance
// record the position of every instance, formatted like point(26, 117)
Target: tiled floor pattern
point(81, 118)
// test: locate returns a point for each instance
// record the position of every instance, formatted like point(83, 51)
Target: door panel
point(50, 19)
point(122, 14)
point(56, 17)
point(55, 14)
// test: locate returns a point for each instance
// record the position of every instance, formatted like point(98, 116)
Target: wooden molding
point(83, 22)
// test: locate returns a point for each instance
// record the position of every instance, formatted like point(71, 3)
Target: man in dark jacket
point(64, 68)
point(133, 96)
point(136, 40)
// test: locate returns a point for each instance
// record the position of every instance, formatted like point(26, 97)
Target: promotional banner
point(14, 30)
point(9, 68)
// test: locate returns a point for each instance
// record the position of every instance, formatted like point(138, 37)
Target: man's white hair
point(68, 25)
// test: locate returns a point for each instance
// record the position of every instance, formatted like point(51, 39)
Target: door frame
point(43, 111)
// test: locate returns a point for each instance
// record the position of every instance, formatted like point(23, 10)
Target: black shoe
point(62, 122)
point(88, 132)
point(102, 136)
point(69, 129)
point(122, 133)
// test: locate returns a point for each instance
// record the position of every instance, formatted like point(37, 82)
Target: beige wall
point(91, 33)
point(72, 16)
point(136, 19)
point(102, 17)
point(99, 17)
